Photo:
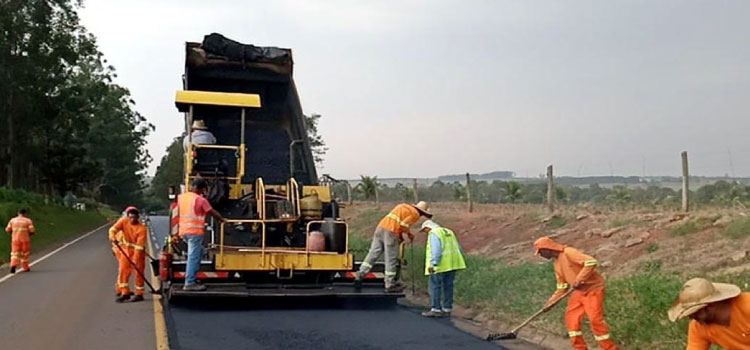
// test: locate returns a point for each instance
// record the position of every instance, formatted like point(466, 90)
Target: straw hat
point(423, 209)
point(199, 125)
point(429, 224)
point(696, 294)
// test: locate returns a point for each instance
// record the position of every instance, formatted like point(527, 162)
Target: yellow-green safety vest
point(451, 259)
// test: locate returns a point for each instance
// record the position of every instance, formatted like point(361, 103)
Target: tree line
point(722, 193)
point(68, 126)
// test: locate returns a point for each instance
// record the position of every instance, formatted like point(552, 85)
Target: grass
point(53, 224)
point(685, 229)
point(738, 228)
point(652, 247)
point(556, 222)
point(620, 222)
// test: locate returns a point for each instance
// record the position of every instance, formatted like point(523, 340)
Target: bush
point(738, 228)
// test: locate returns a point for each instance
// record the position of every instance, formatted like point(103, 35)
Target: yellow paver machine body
point(284, 235)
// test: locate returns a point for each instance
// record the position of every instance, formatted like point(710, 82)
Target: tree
point(512, 191)
point(68, 127)
point(317, 145)
point(169, 173)
point(368, 186)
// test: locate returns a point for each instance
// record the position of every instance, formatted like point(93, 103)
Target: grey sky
point(436, 87)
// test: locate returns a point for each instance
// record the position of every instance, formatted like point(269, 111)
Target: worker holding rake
point(131, 245)
point(574, 269)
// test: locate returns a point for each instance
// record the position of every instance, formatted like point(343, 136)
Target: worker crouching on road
point(21, 228)
point(720, 314)
point(131, 244)
point(577, 270)
point(443, 257)
point(192, 210)
point(387, 238)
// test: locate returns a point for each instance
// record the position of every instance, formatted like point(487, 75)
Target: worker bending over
point(577, 270)
point(387, 237)
point(132, 245)
point(443, 257)
point(720, 314)
point(21, 228)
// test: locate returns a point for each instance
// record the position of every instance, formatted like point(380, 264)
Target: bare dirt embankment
point(624, 240)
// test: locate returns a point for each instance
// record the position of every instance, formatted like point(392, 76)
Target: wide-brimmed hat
point(423, 209)
point(696, 294)
point(429, 224)
point(199, 125)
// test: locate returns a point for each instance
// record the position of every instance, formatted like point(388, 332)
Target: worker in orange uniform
point(720, 314)
point(192, 210)
point(577, 270)
point(387, 238)
point(21, 229)
point(116, 236)
point(133, 244)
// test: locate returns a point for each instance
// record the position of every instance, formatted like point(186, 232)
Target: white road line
point(9, 276)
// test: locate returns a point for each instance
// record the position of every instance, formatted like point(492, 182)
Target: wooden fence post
point(416, 195)
point(550, 189)
point(685, 185)
point(468, 192)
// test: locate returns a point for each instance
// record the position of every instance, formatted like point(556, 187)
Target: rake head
point(501, 336)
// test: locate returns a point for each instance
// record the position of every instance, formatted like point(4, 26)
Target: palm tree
point(368, 186)
point(512, 191)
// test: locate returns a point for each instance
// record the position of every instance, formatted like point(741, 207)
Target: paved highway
point(67, 302)
point(310, 324)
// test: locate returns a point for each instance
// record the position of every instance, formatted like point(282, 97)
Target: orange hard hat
point(131, 208)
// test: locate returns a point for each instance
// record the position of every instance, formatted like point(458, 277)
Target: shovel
point(135, 267)
point(514, 332)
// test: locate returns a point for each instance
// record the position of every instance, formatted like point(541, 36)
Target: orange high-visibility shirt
point(736, 336)
point(133, 235)
point(400, 219)
point(20, 227)
point(572, 266)
point(192, 209)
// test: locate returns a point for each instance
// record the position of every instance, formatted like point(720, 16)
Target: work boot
point(194, 287)
point(136, 298)
point(432, 313)
point(396, 288)
point(122, 298)
point(358, 281)
point(12, 269)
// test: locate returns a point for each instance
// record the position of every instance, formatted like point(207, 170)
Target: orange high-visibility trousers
point(116, 253)
point(20, 251)
point(125, 270)
point(590, 304)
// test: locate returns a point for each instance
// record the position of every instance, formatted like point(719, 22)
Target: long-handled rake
point(153, 290)
point(514, 332)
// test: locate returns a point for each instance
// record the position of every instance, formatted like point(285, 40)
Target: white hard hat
point(429, 224)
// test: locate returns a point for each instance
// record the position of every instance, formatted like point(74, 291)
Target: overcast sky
point(420, 89)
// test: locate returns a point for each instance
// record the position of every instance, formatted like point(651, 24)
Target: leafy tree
point(367, 186)
point(317, 144)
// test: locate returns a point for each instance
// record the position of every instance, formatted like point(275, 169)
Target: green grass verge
point(53, 224)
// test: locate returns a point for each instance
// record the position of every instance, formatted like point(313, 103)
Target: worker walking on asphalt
point(443, 257)
point(133, 244)
point(21, 229)
point(577, 270)
point(387, 237)
point(720, 314)
point(192, 210)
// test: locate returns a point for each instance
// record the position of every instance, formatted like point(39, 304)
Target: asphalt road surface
point(67, 302)
point(310, 324)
